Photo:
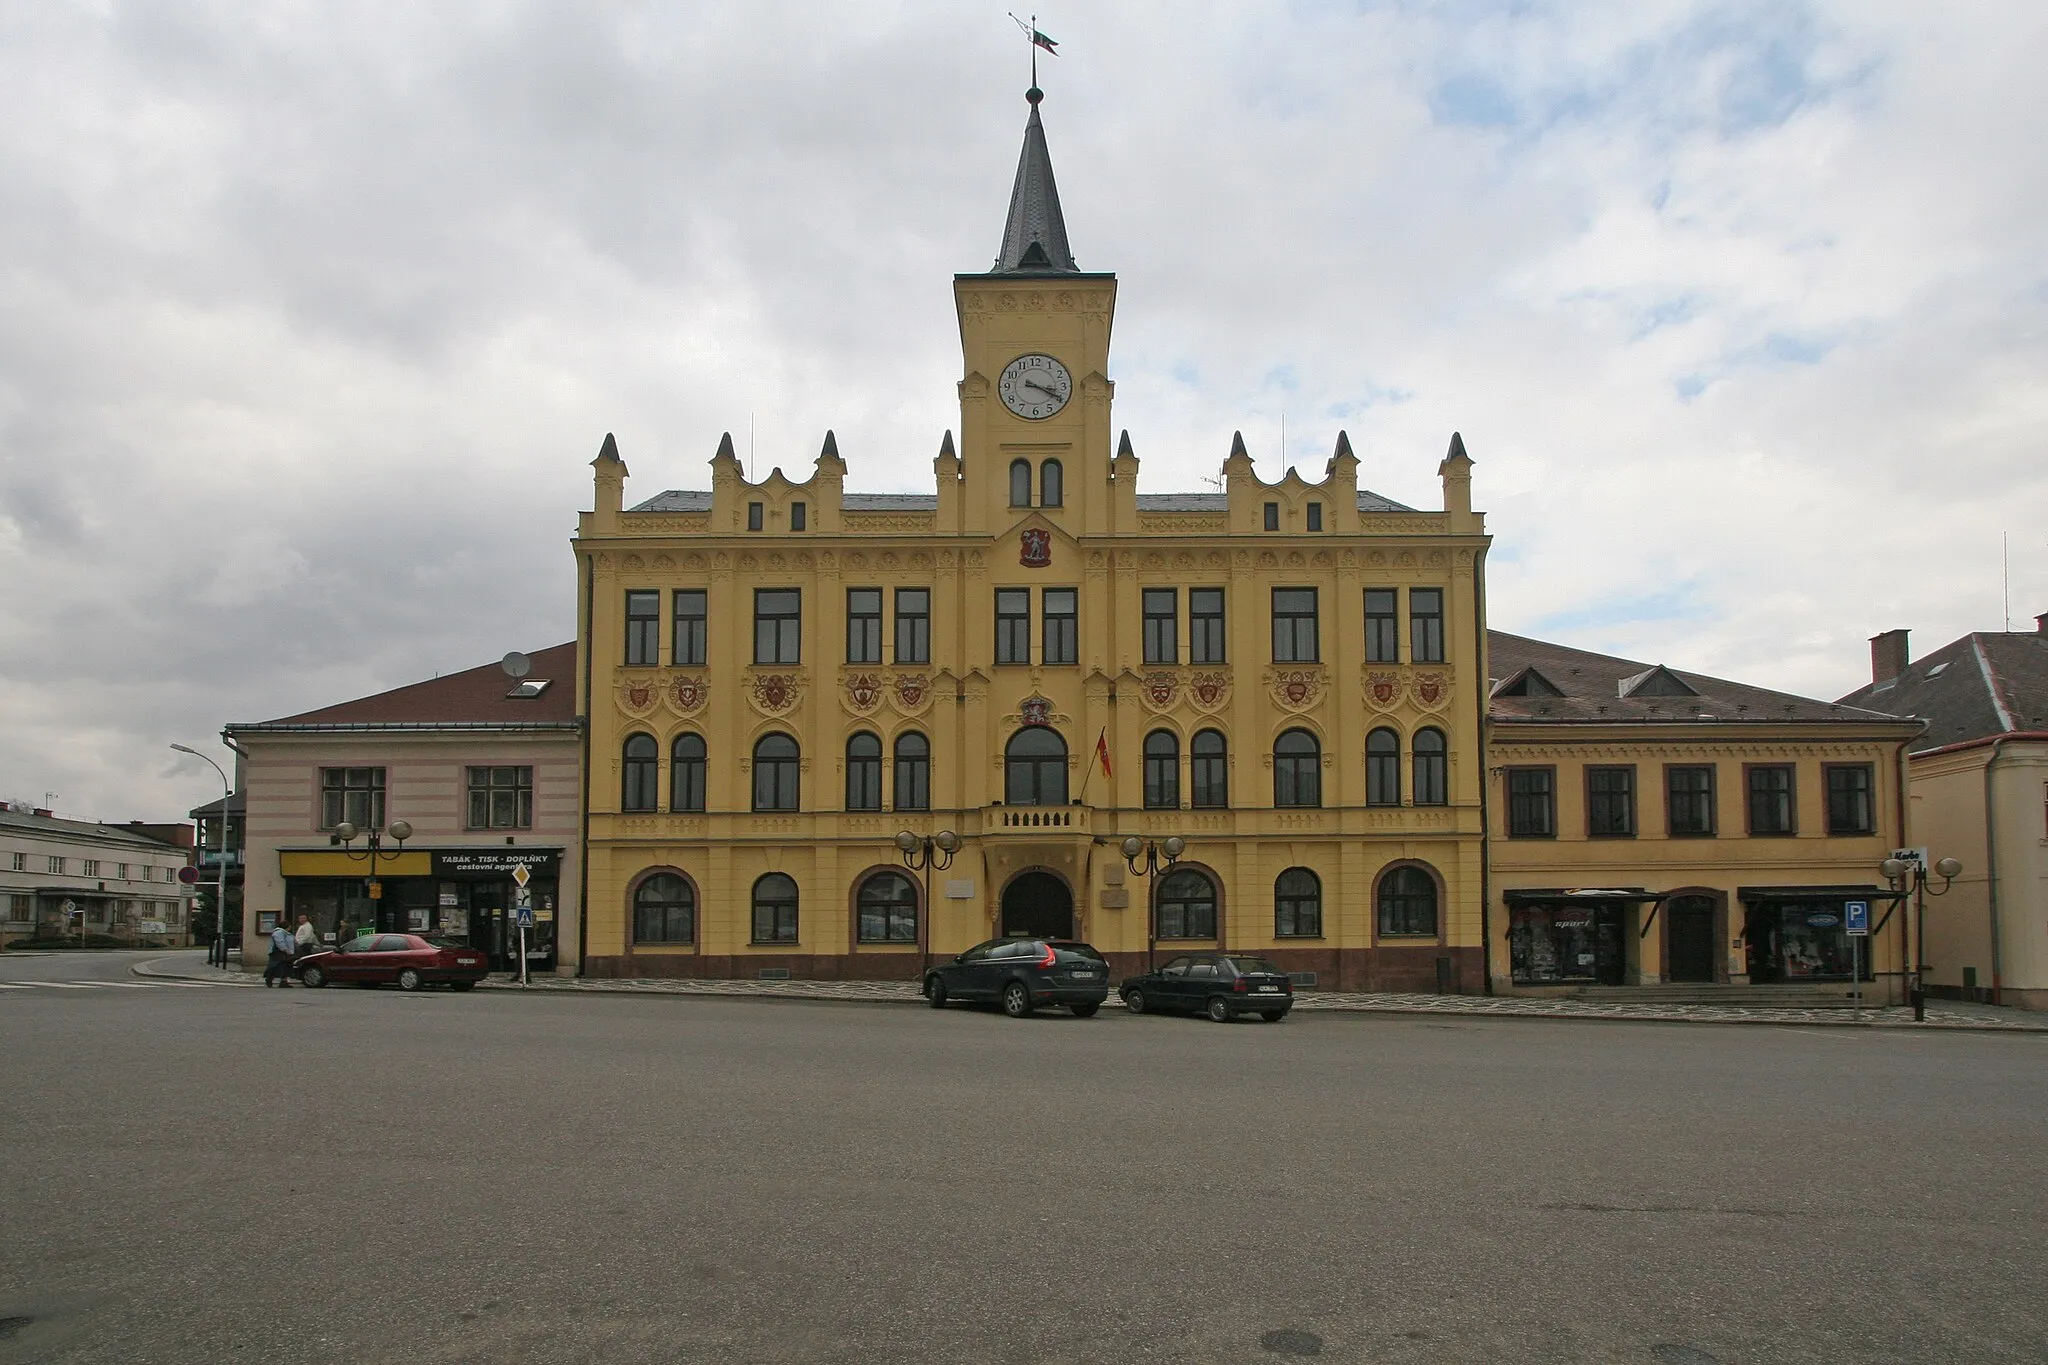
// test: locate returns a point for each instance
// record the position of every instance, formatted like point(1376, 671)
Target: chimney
point(1888, 657)
point(2041, 624)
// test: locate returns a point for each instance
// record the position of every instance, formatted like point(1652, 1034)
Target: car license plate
point(1082, 976)
point(465, 962)
point(1274, 989)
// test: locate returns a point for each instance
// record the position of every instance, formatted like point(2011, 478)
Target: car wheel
point(1219, 1009)
point(1134, 1001)
point(1016, 1000)
point(1085, 1009)
point(410, 980)
point(462, 985)
point(313, 977)
point(1272, 1016)
point(935, 992)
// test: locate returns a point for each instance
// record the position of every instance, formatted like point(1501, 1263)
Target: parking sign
point(1856, 917)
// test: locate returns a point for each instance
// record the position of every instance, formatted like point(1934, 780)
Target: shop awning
point(1765, 895)
point(1592, 895)
point(335, 863)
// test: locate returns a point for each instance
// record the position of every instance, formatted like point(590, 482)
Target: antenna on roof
point(750, 447)
point(2005, 553)
point(516, 665)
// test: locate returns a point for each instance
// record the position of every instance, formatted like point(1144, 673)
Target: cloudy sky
point(313, 314)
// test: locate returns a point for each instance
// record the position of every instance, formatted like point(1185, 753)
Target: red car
point(407, 959)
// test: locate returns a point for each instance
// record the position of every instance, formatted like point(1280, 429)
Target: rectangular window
point(913, 625)
point(863, 625)
point(643, 629)
point(170, 874)
point(1294, 626)
point(754, 516)
point(123, 873)
point(1532, 803)
point(1426, 625)
point(18, 907)
point(1382, 626)
point(1770, 799)
point(1062, 626)
point(1851, 807)
point(1013, 625)
point(1272, 516)
point(1315, 516)
point(799, 515)
point(1689, 801)
point(55, 864)
point(1205, 626)
point(354, 795)
point(692, 643)
point(778, 620)
point(20, 862)
point(1611, 803)
point(1162, 625)
point(92, 868)
point(501, 798)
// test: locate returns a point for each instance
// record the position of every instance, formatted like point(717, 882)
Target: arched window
point(1383, 768)
point(1297, 904)
point(1432, 779)
point(686, 773)
point(1052, 490)
point(888, 909)
point(863, 772)
point(1162, 771)
point(1407, 903)
point(775, 773)
point(1297, 770)
point(913, 771)
point(775, 909)
point(1209, 769)
point(1187, 905)
point(641, 761)
point(1035, 768)
point(1020, 483)
point(664, 910)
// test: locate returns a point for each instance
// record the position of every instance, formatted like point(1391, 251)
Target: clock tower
point(1034, 387)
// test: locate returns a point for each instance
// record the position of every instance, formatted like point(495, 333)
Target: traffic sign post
point(1856, 921)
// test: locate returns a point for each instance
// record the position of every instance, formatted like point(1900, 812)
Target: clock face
point(1035, 386)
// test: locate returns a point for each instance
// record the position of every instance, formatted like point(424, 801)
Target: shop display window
point(1565, 944)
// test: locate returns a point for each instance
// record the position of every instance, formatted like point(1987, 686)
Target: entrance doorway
point(1692, 944)
point(1038, 905)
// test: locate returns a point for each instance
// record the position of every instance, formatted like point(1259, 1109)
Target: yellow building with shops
point(781, 677)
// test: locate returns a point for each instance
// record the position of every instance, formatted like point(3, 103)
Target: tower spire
point(1035, 235)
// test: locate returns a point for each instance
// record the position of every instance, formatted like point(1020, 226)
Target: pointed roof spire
point(1035, 236)
point(609, 450)
point(831, 450)
point(1457, 450)
point(1123, 446)
point(1343, 450)
point(1237, 450)
point(946, 446)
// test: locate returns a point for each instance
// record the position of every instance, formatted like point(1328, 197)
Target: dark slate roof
point(474, 697)
point(690, 500)
point(1035, 234)
point(1592, 686)
point(888, 502)
point(675, 500)
point(28, 822)
point(1369, 501)
point(1984, 684)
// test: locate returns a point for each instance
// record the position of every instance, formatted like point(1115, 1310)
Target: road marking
point(64, 985)
point(12, 986)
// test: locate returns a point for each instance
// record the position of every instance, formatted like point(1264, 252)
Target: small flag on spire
point(1037, 39)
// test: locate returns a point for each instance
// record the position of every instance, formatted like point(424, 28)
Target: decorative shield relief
point(688, 694)
point(1036, 551)
point(1431, 689)
point(1161, 688)
point(1382, 688)
point(1209, 690)
point(1034, 710)
point(863, 691)
point(1296, 687)
point(775, 693)
point(911, 690)
point(637, 695)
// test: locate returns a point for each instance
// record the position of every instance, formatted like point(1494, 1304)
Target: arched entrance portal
point(1038, 905)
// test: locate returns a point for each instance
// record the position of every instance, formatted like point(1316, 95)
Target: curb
point(213, 976)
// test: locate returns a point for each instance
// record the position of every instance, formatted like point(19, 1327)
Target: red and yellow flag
point(1102, 751)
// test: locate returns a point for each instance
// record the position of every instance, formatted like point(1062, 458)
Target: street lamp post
point(1911, 875)
point(1134, 850)
point(346, 831)
point(924, 854)
point(219, 948)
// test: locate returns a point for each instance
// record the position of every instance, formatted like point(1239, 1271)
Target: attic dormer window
point(1528, 683)
point(529, 688)
point(1655, 682)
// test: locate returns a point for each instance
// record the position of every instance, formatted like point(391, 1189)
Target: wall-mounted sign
point(1823, 920)
point(495, 862)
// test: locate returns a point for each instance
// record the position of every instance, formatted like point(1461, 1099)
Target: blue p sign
point(1856, 916)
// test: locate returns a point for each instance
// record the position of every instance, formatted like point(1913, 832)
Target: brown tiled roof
point(1592, 686)
point(475, 696)
point(1986, 683)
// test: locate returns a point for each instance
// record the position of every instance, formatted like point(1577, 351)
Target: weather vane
point(1038, 40)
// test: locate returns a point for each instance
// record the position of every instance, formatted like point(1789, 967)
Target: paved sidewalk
point(1948, 1015)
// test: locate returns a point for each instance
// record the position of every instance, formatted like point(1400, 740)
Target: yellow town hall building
point(1033, 664)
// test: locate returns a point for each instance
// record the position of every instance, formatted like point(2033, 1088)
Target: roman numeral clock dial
point(1035, 386)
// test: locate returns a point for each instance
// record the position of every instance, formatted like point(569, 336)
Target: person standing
point(308, 938)
point(283, 943)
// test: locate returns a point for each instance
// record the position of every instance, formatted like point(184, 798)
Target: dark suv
point(1021, 974)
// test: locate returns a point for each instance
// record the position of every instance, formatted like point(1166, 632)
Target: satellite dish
point(516, 665)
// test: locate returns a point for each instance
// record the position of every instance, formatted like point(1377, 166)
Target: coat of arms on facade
point(863, 690)
point(911, 690)
point(1209, 690)
point(775, 693)
point(1383, 688)
point(1161, 688)
point(1431, 689)
point(1037, 548)
point(1034, 710)
point(1296, 687)
point(687, 694)
point(637, 695)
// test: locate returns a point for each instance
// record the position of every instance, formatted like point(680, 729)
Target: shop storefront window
point(1799, 940)
point(1566, 943)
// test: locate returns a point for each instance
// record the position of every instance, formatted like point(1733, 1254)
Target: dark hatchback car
point(1020, 974)
point(406, 960)
point(1220, 985)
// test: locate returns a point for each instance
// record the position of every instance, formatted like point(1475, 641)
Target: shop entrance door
point(1038, 905)
point(1692, 941)
point(487, 925)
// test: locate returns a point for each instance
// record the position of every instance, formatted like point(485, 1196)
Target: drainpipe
point(1485, 749)
point(1903, 763)
point(1991, 867)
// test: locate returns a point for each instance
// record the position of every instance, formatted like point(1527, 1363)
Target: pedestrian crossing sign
point(525, 916)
